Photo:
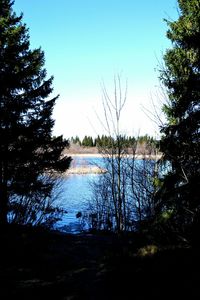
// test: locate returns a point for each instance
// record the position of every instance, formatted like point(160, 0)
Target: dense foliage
point(27, 149)
point(181, 133)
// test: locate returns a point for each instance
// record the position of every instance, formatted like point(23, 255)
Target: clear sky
point(89, 41)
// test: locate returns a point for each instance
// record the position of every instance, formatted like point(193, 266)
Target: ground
point(37, 264)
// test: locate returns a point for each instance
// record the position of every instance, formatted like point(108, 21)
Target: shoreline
point(137, 156)
point(85, 170)
point(89, 169)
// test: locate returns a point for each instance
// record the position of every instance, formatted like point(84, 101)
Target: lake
point(75, 192)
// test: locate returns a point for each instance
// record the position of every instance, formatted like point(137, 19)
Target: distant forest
point(106, 141)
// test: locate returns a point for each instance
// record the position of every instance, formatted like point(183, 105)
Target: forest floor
point(37, 264)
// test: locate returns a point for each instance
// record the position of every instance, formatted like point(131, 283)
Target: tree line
point(107, 141)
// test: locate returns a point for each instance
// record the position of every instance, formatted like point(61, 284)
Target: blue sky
point(87, 42)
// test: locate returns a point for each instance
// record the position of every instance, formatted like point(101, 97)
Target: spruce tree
point(27, 148)
point(181, 133)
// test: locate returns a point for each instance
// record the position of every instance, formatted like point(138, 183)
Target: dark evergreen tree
point(27, 148)
point(77, 140)
point(181, 134)
point(87, 141)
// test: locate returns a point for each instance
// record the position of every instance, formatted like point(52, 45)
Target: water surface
point(76, 192)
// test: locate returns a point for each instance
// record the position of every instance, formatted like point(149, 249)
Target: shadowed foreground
point(36, 264)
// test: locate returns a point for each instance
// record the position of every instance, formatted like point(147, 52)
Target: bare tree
point(124, 195)
point(116, 153)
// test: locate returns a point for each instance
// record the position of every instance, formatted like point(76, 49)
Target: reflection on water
point(85, 161)
point(74, 195)
point(76, 191)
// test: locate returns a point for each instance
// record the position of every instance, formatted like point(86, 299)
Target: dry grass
point(86, 170)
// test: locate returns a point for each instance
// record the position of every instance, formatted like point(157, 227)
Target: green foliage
point(27, 149)
point(148, 250)
point(181, 135)
point(107, 141)
point(75, 140)
point(87, 141)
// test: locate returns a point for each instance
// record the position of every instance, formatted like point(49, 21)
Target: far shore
point(137, 156)
point(83, 170)
point(89, 169)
